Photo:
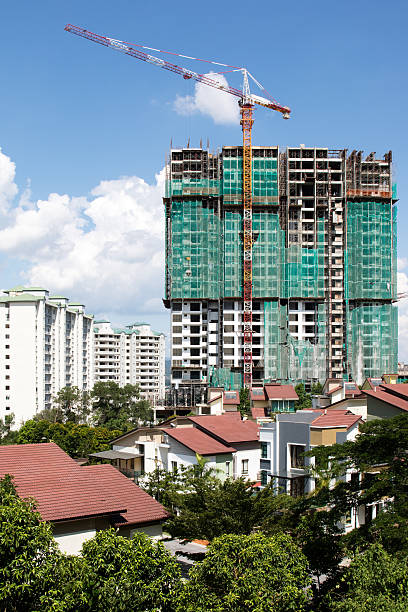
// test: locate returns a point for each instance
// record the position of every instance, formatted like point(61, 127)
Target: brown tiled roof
point(258, 413)
point(231, 397)
point(140, 507)
point(389, 398)
point(333, 390)
point(228, 427)
point(398, 389)
point(335, 418)
point(260, 396)
point(281, 392)
point(198, 441)
point(64, 490)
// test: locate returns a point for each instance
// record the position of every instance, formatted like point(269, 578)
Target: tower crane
point(246, 101)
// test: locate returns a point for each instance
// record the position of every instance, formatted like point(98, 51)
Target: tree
point(379, 454)
point(7, 435)
point(75, 439)
point(118, 407)
point(374, 581)
point(244, 402)
point(71, 404)
point(251, 572)
point(124, 574)
point(29, 558)
point(304, 401)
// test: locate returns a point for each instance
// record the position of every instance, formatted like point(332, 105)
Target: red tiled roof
point(197, 441)
point(64, 490)
point(140, 507)
point(260, 396)
point(335, 418)
point(333, 390)
point(258, 413)
point(228, 428)
point(231, 400)
point(281, 392)
point(389, 398)
point(397, 389)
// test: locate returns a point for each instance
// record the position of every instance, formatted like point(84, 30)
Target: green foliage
point(124, 574)
point(118, 407)
point(244, 402)
point(374, 581)
point(317, 389)
point(252, 572)
point(29, 558)
point(7, 435)
point(75, 439)
point(305, 400)
point(70, 404)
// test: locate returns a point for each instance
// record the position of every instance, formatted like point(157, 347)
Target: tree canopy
point(248, 572)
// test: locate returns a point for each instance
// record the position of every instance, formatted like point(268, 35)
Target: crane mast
point(246, 102)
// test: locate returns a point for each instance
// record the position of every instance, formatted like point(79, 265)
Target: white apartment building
point(132, 355)
point(47, 345)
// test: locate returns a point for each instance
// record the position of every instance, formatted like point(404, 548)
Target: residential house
point(386, 400)
point(284, 442)
point(229, 444)
point(78, 500)
point(271, 399)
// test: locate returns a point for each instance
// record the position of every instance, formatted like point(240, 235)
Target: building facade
point(323, 259)
point(47, 345)
point(132, 355)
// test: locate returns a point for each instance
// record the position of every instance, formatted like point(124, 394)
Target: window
point(177, 374)
point(229, 316)
point(264, 450)
point(297, 486)
point(296, 456)
point(195, 306)
point(177, 329)
point(228, 468)
point(195, 318)
point(177, 318)
point(174, 466)
point(177, 352)
point(228, 329)
point(177, 341)
point(244, 466)
point(264, 478)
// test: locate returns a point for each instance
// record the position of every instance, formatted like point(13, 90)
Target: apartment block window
point(177, 340)
point(264, 450)
point(177, 318)
point(228, 329)
point(177, 329)
point(296, 456)
point(177, 307)
point(229, 340)
point(297, 487)
point(195, 307)
point(229, 316)
point(177, 352)
point(244, 466)
point(195, 318)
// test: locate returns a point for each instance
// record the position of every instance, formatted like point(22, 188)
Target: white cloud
point(401, 263)
point(107, 250)
point(8, 188)
point(219, 105)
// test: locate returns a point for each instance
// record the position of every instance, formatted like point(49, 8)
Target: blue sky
point(76, 117)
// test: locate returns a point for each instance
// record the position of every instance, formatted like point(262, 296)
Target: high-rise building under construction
point(323, 265)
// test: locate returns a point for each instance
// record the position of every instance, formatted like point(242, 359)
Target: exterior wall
point(153, 531)
point(224, 466)
point(250, 452)
point(325, 437)
point(376, 409)
point(70, 535)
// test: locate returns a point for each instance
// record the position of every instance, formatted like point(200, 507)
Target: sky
point(84, 131)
